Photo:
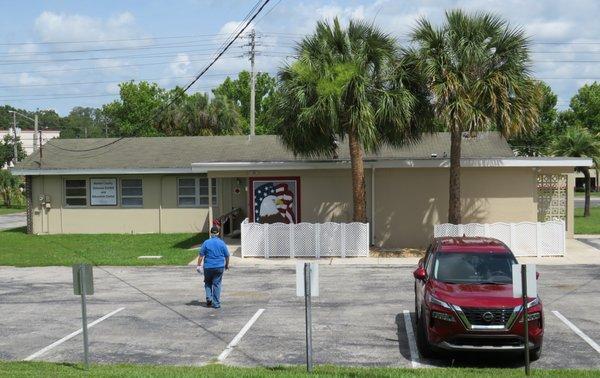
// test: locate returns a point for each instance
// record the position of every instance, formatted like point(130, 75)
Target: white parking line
point(412, 345)
point(577, 331)
point(239, 336)
point(71, 335)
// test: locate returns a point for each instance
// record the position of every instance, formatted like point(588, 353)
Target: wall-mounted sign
point(275, 199)
point(103, 191)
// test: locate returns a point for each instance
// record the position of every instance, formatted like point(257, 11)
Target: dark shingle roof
point(181, 152)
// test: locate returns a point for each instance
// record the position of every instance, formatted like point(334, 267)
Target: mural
point(275, 200)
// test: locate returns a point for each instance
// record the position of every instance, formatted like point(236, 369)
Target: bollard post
point(525, 320)
point(82, 286)
point(308, 310)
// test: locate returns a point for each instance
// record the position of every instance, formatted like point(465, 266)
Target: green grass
point(17, 248)
point(582, 194)
point(589, 225)
point(37, 369)
point(11, 210)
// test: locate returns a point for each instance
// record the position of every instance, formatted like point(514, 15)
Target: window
point(76, 192)
point(193, 192)
point(132, 193)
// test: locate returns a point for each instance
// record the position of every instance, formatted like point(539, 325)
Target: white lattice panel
point(356, 239)
point(304, 240)
point(253, 239)
point(278, 236)
point(330, 239)
point(524, 239)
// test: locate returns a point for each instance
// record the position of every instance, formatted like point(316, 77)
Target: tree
point(238, 91)
point(82, 122)
point(536, 142)
point(133, 113)
point(585, 108)
point(9, 187)
point(7, 150)
point(477, 73)
point(578, 141)
point(347, 83)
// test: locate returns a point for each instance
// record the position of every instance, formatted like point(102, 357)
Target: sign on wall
point(103, 192)
point(275, 199)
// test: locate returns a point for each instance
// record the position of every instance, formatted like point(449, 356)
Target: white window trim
point(127, 196)
point(87, 192)
point(197, 194)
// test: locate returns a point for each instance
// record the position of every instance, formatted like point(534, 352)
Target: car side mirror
point(420, 273)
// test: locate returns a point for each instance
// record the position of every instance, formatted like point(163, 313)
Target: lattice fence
point(524, 238)
point(305, 240)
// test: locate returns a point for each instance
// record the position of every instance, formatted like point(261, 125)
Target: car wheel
point(425, 349)
point(535, 354)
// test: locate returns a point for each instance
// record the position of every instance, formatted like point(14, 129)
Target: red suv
point(464, 302)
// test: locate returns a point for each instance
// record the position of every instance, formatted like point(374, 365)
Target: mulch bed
point(402, 252)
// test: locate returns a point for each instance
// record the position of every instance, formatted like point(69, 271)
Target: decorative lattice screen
point(552, 197)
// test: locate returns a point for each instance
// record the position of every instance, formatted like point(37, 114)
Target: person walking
point(215, 255)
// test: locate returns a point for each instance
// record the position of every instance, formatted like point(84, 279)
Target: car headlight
point(433, 300)
point(534, 302)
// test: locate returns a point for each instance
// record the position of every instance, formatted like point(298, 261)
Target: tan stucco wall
point(410, 201)
point(159, 213)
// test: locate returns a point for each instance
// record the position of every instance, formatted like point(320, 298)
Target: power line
point(185, 89)
point(110, 40)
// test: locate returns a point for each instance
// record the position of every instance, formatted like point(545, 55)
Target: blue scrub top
point(214, 251)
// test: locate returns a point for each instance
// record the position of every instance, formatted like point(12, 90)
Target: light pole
point(35, 132)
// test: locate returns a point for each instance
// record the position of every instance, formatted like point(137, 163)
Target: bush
point(10, 190)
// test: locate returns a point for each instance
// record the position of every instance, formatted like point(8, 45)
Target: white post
point(292, 252)
point(266, 237)
point(317, 240)
point(538, 238)
point(461, 230)
point(343, 240)
point(486, 230)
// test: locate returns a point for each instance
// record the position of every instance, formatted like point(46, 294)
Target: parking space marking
point(239, 336)
point(412, 345)
point(71, 335)
point(579, 333)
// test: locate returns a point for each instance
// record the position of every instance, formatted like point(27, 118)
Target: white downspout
point(372, 205)
point(210, 196)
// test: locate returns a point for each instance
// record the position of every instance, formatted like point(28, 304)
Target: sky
point(61, 54)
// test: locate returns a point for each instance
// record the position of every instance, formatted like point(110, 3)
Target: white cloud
point(29, 79)
point(181, 65)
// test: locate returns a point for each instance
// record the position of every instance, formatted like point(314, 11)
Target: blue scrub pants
point(212, 285)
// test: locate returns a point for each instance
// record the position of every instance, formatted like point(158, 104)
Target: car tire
point(535, 354)
point(425, 349)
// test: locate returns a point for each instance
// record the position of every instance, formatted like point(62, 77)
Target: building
point(26, 137)
point(179, 184)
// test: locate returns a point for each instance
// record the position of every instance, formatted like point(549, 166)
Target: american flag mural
point(274, 201)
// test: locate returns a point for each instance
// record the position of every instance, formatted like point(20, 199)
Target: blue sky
point(170, 41)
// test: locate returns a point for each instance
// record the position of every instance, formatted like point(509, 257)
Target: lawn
point(590, 225)
point(17, 248)
point(36, 369)
point(11, 210)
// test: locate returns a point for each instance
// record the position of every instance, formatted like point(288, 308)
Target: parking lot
point(155, 316)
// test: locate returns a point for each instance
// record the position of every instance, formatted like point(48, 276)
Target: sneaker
point(208, 303)
point(216, 306)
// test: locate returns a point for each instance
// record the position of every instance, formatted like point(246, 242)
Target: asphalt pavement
point(156, 315)
point(580, 202)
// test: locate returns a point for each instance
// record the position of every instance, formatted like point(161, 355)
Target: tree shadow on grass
point(190, 242)
point(18, 230)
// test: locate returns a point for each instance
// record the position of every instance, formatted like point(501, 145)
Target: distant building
point(26, 137)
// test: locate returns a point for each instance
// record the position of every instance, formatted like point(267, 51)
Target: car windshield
point(474, 267)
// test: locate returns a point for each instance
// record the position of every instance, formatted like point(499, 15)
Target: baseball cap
point(214, 230)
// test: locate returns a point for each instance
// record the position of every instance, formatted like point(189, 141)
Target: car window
point(473, 267)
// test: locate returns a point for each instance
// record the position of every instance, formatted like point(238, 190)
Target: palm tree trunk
point(588, 184)
point(454, 211)
point(358, 178)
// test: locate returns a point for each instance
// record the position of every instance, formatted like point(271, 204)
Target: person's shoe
point(216, 306)
point(208, 303)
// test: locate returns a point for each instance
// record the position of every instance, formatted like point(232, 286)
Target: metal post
point(525, 312)
point(84, 317)
point(308, 310)
point(35, 132)
point(15, 149)
point(252, 83)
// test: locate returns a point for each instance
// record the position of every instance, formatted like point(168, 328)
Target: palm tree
point(477, 73)
point(578, 141)
point(346, 83)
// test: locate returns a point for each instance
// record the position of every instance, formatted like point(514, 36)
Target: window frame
point(124, 196)
point(66, 197)
point(197, 196)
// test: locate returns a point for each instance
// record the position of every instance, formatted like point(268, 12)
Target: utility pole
point(35, 132)
point(252, 83)
point(15, 149)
